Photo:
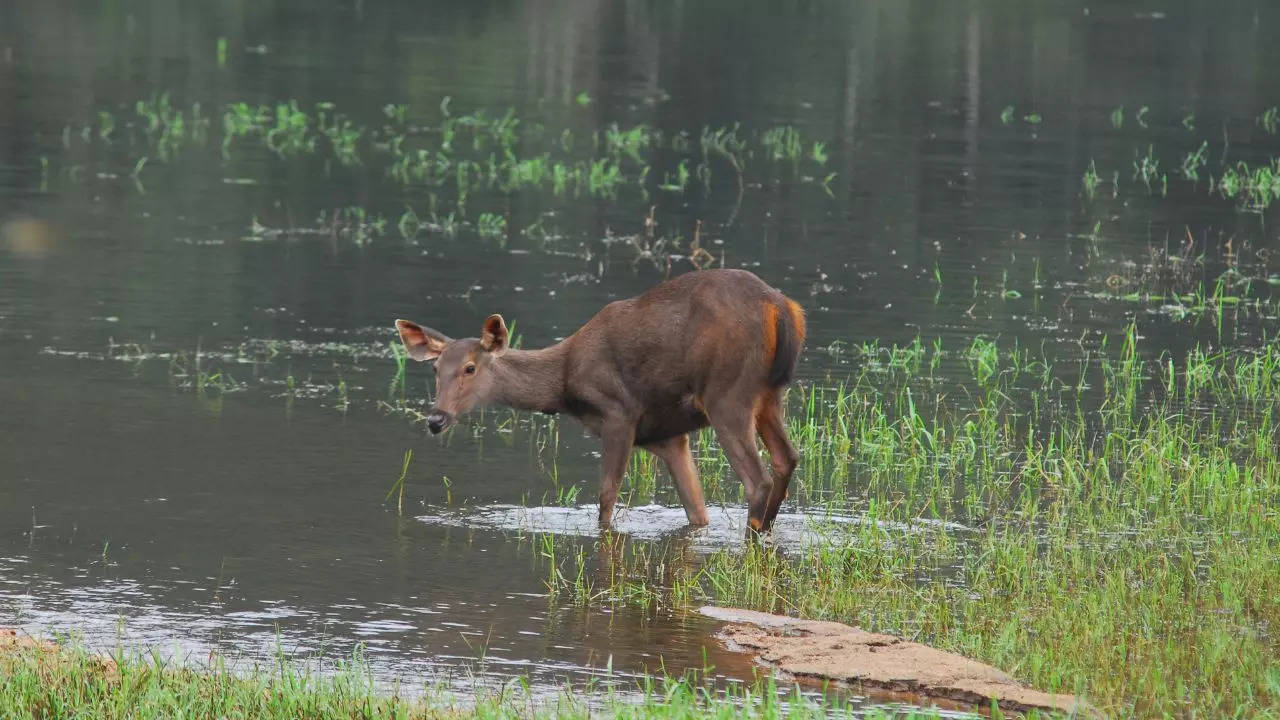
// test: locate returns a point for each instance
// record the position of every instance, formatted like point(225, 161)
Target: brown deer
point(715, 347)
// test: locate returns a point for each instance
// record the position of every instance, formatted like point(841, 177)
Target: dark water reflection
point(233, 520)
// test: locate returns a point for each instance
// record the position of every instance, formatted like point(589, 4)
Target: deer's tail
point(784, 331)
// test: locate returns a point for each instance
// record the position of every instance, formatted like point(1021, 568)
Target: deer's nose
point(437, 420)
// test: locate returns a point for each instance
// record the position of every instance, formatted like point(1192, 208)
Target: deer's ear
point(423, 343)
point(493, 338)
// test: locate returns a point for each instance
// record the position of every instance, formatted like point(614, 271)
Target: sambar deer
point(714, 347)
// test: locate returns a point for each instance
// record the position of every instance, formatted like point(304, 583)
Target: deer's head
point(463, 367)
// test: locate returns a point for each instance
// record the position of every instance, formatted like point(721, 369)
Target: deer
point(708, 348)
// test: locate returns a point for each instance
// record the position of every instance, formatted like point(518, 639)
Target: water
point(193, 453)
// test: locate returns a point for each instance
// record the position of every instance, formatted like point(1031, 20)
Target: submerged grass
point(451, 158)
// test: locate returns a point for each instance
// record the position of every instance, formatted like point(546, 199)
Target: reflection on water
point(202, 411)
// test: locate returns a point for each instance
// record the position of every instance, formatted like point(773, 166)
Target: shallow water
point(658, 522)
point(247, 510)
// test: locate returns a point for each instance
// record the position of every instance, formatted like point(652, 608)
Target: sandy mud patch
point(816, 651)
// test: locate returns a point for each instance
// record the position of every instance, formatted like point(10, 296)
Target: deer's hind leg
point(782, 455)
point(679, 460)
point(734, 423)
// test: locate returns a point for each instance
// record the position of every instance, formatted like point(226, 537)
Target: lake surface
point(201, 417)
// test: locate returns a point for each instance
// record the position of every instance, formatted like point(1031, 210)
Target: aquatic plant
point(397, 488)
point(1253, 188)
point(491, 226)
point(1193, 161)
point(1146, 167)
point(1269, 120)
point(782, 143)
point(1090, 180)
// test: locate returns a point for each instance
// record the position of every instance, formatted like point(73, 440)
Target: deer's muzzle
point(438, 420)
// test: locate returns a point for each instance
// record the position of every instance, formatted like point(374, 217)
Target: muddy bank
point(10, 640)
point(13, 642)
point(817, 651)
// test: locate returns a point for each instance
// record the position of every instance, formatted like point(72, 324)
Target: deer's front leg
point(618, 439)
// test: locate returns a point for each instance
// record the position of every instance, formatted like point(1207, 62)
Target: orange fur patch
point(797, 317)
point(770, 331)
point(761, 405)
point(754, 523)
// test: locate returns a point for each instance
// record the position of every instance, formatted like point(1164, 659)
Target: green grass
point(70, 682)
point(1112, 530)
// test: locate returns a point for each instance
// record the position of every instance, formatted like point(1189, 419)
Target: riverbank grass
point(42, 680)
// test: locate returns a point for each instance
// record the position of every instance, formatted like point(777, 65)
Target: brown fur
point(647, 371)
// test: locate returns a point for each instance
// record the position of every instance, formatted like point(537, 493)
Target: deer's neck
point(532, 379)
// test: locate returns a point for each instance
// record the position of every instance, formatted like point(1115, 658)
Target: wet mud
point(818, 651)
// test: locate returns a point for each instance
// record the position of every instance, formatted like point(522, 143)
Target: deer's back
point(655, 356)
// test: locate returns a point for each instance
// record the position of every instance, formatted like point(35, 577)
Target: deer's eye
point(469, 370)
